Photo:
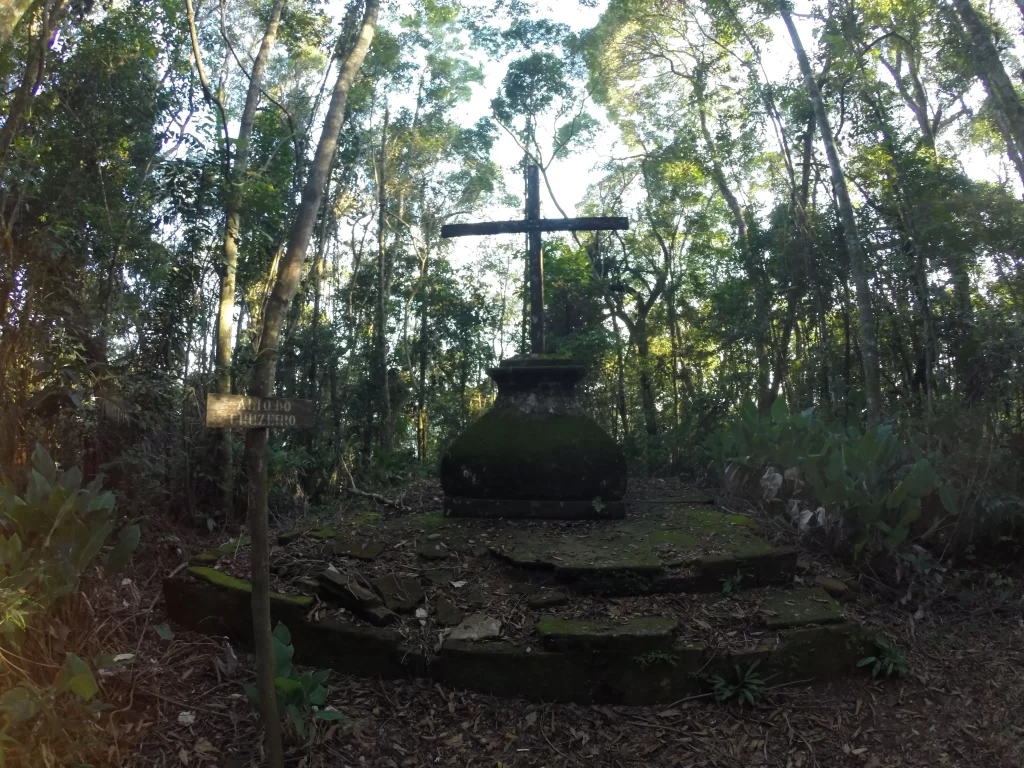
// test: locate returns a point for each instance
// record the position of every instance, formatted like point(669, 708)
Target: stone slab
point(539, 509)
point(678, 549)
point(475, 628)
point(636, 635)
point(360, 549)
point(799, 608)
point(400, 593)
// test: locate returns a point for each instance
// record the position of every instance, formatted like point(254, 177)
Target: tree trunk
point(232, 228)
point(11, 12)
point(421, 404)
point(42, 34)
point(620, 388)
point(285, 285)
point(383, 292)
point(990, 70)
point(858, 266)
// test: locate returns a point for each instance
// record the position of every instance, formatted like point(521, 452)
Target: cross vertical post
point(533, 225)
point(536, 262)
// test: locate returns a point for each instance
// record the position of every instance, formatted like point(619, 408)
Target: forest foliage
point(824, 271)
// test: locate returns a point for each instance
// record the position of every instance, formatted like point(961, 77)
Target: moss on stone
point(742, 520)
point(205, 558)
point(229, 547)
point(636, 635)
point(221, 579)
point(322, 534)
point(510, 454)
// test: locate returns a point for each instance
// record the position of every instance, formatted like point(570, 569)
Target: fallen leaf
point(186, 718)
point(459, 584)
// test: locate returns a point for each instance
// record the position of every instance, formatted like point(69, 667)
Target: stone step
point(793, 636)
point(670, 549)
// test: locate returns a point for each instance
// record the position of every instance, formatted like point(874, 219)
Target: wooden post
point(536, 262)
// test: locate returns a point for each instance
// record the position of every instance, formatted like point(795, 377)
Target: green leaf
point(296, 717)
point(122, 552)
point(780, 413)
point(253, 694)
point(165, 632)
point(288, 686)
point(43, 464)
point(318, 696)
point(79, 678)
point(19, 704)
point(948, 498)
point(866, 661)
point(281, 633)
point(95, 544)
point(72, 479)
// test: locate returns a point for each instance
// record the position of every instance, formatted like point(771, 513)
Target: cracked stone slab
point(636, 635)
point(400, 593)
point(799, 608)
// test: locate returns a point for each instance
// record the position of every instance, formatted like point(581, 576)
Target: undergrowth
point(50, 535)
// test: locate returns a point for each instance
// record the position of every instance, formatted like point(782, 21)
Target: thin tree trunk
point(990, 70)
point(285, 285)
point(232, 229)
point(620, 389)
point(383, 291)
point(858, 266)
point(421, 405)
point(50, 15)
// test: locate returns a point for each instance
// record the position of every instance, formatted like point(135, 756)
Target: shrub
point(874, 480)
point(49, 536)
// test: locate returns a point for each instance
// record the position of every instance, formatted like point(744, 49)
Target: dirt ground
point(962, 703)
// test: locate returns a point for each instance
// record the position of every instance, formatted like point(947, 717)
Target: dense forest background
point(824, 272)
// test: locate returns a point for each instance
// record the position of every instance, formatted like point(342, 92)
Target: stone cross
point(533, 225)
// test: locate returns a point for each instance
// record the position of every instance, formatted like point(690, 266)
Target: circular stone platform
point(641, 611)
point(535, 453)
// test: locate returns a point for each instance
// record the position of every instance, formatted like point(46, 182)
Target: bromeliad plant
point(875, 479)
point(300, 696)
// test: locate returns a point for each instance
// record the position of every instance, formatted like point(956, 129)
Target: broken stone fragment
point(360, 549)
point(400, 593)
point(349, 589)
point(838, 589)
point(548, 599)
point(353, 592)
point(438, 576)
point(432, 550)
point(446, 613)
point(477, 627)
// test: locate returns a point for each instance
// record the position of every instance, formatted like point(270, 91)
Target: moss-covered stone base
point(535, 444)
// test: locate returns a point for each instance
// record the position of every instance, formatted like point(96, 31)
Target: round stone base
point(458, 506)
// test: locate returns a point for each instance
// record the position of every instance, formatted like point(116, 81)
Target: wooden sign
point(240, 412)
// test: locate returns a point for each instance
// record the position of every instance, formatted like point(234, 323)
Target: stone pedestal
point(535, 453)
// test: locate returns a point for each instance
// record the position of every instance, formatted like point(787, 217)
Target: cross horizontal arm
point(585, 224)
